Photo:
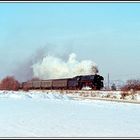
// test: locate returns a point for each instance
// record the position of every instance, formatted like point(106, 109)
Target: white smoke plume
point(53, 67)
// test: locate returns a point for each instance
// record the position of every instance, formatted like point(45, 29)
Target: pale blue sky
point(107, 33)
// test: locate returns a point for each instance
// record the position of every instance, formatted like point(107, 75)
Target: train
point(95, 82)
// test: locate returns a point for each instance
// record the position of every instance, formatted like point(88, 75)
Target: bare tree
point(9, 83)
point(131, 84)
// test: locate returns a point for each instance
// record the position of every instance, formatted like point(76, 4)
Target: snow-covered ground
point(133, 96)
point(43, 114)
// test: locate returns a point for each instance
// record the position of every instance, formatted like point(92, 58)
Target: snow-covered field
point(130, 96)
point(42, 114)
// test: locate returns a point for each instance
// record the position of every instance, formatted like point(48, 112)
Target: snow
point(115, 95)
point(51, 114)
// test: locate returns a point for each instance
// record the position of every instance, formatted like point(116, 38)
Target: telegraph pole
point(108, 81)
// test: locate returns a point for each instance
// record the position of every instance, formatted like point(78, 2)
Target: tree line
point(131, 84)
point(9, 83)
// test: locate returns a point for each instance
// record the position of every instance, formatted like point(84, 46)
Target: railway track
point(108, 99)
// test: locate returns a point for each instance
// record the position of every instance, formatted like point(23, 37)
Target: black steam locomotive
point(95, 82)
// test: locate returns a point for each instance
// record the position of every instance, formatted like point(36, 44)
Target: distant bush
point(131, 84)
point(9, 83)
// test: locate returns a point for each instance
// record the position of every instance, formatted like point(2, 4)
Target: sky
point(107, 33)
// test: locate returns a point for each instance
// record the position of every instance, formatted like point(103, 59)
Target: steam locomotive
point(95, 82)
